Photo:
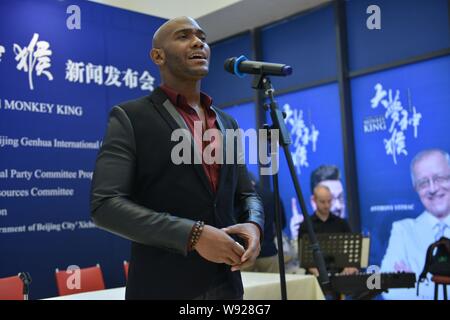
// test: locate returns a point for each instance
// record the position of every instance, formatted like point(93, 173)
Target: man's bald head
point(180, 51)
point(322, 198)
point(321, 191)
point(165, 30)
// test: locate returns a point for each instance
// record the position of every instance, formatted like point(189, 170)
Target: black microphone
point(241, 65)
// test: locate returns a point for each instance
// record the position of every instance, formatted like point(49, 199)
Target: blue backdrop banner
point(62, 67)
point(397, 114)
point(313, 119)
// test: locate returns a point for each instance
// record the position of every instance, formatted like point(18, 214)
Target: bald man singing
point(186, 240)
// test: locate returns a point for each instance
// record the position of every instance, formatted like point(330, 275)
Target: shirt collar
point(432, 220)
point(447, 221)
point(316, 217)
point(180, 100)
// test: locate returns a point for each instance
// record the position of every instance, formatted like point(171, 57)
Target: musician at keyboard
point(325, 222)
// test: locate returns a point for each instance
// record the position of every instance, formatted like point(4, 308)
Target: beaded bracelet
point(196, 232)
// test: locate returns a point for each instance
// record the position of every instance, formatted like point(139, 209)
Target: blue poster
point(62, 67)
point(402, 142)
point(313, 120)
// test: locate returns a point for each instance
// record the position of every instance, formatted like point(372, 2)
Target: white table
point(257, 286)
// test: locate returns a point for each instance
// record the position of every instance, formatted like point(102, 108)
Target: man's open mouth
point(197, 56)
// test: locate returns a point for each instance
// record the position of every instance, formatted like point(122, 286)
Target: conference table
point(257, 286)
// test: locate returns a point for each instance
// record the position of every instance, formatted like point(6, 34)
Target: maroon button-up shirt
point(190, 116)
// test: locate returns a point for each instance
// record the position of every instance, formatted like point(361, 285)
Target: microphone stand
point(262, 82)
point(278, 220)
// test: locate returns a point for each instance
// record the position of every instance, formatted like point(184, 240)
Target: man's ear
point(157, 56)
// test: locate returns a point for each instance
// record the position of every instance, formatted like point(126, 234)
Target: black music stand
point(340, 250)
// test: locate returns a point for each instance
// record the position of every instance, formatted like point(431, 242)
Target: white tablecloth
point(257, 286)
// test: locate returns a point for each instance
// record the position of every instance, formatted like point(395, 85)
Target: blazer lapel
point(223, 167)
point(176, 121)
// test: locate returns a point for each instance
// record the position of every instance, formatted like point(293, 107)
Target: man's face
point(338, 201)
point(432, 183)
point(323, 200)
point(185, 51)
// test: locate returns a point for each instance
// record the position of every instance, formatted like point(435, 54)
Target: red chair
point(11, 288)
point(444, 281)
point(77, 280)
point(125, 268)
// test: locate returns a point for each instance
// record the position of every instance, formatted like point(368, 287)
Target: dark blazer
point(140, 194)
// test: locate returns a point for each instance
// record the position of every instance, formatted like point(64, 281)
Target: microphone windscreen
point(229, 64)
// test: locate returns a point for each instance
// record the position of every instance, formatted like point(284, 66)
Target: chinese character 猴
point(35, 57)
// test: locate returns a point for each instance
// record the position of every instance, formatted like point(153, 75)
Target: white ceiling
point(219, 18)
point(249, 14)
point(170, 8)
